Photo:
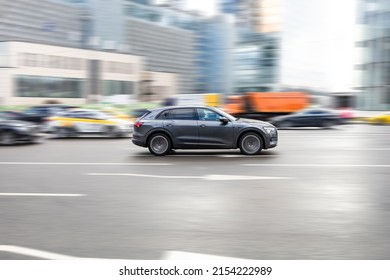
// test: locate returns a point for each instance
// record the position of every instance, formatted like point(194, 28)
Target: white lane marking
point(84, 163)
point(143, 175)
point(209, 177)
point(367, 149)
point(34, 253)
point(42, 194)
point(178, 255)
point(215, 177)
point(315, 165)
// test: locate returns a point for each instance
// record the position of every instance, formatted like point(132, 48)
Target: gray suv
point(201, 127)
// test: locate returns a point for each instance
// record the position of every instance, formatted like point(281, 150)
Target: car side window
point(208, 115)
point(181, 114)
point(162, 115)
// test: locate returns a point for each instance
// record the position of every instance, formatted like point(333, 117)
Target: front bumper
point(272, 141)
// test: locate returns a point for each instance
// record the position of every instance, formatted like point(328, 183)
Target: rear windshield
point(144, 114)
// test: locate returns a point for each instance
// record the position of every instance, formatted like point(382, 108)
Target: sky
point(337, 35)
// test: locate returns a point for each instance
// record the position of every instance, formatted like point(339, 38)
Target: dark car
point(201, 127)
point(315, 117)
point(41, 113)
point(13, 131)
point(14, 115)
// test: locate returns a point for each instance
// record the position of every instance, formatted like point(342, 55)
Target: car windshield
point(230, 117)
point(103, 115)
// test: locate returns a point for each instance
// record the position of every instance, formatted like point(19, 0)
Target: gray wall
point(166, 50)
point(40, 21)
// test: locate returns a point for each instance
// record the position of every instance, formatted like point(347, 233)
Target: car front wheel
point(250, 144)
point(328, 124)
point(7, 138)
point(159, 145)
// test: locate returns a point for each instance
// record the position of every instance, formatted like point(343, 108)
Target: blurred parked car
point(118, 115)
point(15, 115)
point(85, 121)
point(13, 131)
point(380, 119)
point(41, 113)
point(315, 117)
point(201, 127)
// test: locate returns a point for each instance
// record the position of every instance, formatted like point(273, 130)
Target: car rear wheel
point(327, 124)
point(250, 144)
point(159, 145)
point(7, 138)
point(62, 132)
point(113, 132)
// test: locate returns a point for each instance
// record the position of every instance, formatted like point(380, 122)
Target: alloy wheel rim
point(159, 144)
point(250, 144)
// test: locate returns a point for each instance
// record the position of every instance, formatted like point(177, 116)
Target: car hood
point(254, 122)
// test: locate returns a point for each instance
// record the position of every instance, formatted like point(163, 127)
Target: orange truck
point(266, 104)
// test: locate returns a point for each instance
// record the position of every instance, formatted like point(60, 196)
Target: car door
point(305, 118)
point(212, 132)
point(182, 124)
point(87, 122)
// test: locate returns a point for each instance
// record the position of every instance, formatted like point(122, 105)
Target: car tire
point(112, 132)
point(159, 144)
point(250, 144)
point(8, 138)
point(61, 132)
point(327, 124)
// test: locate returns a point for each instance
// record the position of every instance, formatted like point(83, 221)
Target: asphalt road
point(321, 194)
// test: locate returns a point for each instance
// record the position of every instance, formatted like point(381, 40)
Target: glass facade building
point(53, 87)
point(256, 59)
point(373, 72)
point(217, 54)
point(44, 21)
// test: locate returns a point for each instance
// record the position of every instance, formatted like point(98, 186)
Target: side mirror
point(224, 120)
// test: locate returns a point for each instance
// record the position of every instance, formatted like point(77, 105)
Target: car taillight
point(138, 124)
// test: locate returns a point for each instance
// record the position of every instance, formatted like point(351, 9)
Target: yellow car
point(85, 121)
point(380, 119)
point(118, 115)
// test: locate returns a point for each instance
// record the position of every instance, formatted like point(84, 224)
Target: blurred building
point(165, 36)
point(43, 21)
point(256, 58)
point(218, 42)
point(287, 45)
point(373, 70)
point(32, 73)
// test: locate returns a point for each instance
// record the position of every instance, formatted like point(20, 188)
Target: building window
point(56, 87)
point(118, 87)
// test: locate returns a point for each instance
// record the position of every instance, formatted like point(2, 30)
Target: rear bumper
point(138, 142)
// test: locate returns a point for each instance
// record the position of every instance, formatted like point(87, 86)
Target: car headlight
point(270, 129)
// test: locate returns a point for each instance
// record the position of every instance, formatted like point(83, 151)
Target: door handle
point(202, 125)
